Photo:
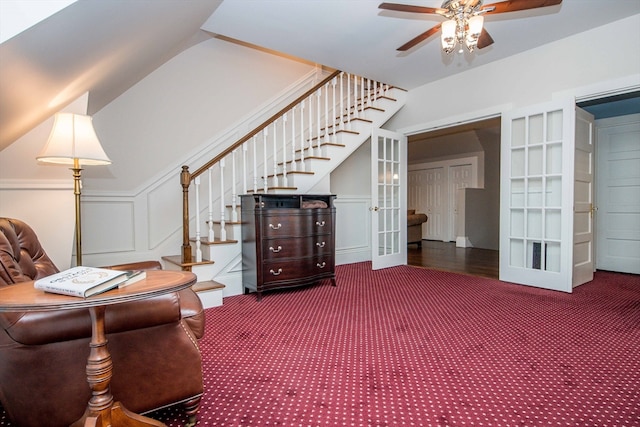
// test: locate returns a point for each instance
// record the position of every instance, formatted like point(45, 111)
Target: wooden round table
point(101, 409)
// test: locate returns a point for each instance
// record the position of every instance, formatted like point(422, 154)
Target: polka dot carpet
point(413, 347)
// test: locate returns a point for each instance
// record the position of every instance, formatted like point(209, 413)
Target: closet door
point(618, 194)
point(435, 192)
point(460, 176)
point(538, 193)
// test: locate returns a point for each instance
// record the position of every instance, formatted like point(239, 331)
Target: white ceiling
point(358, 37)
point(105, 47)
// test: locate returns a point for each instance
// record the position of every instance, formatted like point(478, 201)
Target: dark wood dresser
point(287, 240)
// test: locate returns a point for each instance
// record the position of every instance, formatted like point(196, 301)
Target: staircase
point(292, 152)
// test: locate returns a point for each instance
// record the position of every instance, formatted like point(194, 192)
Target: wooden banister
point(273, 118)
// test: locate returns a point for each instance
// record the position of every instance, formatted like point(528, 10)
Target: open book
point(81, 281)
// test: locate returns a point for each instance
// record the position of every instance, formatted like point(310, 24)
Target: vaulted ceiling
point(105, 47)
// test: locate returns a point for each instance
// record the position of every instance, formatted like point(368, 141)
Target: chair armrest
point(44, 327)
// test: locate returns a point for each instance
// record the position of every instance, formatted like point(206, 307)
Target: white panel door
point(436, 207)
point(618, 196)
point(460, 177)
point(537, 195)
point(583, 250)
point(416, 182)
point(388, 199)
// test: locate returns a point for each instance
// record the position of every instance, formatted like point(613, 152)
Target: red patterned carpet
point(407, 346)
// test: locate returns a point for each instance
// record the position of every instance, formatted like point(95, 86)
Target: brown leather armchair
point(153, 345)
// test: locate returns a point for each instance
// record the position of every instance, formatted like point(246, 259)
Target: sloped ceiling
point(95, 46)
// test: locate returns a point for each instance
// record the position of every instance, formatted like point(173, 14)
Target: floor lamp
point(73, 141)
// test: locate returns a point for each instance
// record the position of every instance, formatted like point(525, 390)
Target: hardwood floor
point(446, 256)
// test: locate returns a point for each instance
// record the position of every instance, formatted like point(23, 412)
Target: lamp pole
point(76, 191)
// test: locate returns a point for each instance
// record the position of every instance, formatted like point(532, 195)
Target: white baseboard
point(463, 242)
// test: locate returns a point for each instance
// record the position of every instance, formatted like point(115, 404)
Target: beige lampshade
point(73, 137)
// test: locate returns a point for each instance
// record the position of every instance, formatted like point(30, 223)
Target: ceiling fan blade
point(516, 5)
point(470, 4)
point(484, 40)
point(411, 43)
point(410, 8)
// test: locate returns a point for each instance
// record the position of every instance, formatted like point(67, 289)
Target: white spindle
point(348, 98)
point(210, 213)
point(245, 147)
point(275, 158)
point(369, 92)
point(310, 125)
point(318, 108)
point(294, 164)
point(302, 165)
point(223, 231)
point(326, 112)
point(334, 119)
point(198, 251)
point(255, 163)
point(285, 182)
point(361, 93)
point(341, 102)
point(265, 176)
point(234, 185)
point(375, 91)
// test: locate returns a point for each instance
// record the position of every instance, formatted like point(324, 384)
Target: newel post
point(185, 181)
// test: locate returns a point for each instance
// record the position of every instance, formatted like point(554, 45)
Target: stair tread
point(177, 260)
point(216, 240)
point(207, 285)
point(261, 190)
point(291, 173)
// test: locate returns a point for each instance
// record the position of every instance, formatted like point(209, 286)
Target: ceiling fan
point(464, 24)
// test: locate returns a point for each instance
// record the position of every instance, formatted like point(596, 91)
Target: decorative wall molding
point(353, 229)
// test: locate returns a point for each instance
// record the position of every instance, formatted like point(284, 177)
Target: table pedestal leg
point(101, 410)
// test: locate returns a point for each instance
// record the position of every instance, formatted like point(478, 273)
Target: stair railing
point(270, 153)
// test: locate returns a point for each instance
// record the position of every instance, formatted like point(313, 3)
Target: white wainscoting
point(353, 229)
point(48, 207)
point(112, 226)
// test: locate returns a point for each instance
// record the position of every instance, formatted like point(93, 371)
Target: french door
point(388, 199)
point(546, 170)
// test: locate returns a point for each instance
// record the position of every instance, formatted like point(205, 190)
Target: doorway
point(459, 141)
point(617, 196)
point(452, 155)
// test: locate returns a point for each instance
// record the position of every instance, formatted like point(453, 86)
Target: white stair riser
point(212, 298)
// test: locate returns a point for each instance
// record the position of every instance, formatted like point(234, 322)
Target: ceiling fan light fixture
point(448, 35)
point(475, 26)
point(473, 32)
point(465, 21)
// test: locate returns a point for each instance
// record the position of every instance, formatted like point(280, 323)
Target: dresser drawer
point(279, 224)
point(297, 269)
point(293, 247)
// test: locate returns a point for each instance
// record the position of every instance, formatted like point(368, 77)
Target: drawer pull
point(275, 251)
point(275, 227)
point(320, 245)
point(320, 224)
point(321, 265)
point(276, 273)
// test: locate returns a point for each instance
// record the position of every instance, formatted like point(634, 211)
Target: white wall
point(351, 182)
point(602, 59)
